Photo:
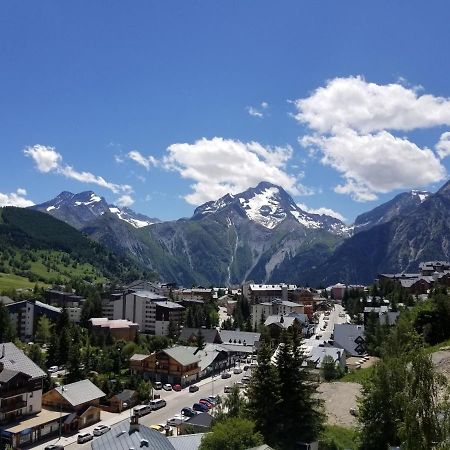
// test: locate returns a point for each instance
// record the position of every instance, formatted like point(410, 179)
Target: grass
point(437, 347)
point(344, 438)
point(357, 376)
point(11, 281)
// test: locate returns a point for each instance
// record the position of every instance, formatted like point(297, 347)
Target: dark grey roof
point(209, 335)
point(349, 337)
point(186, 441)
point(125, 395)
point(169, 304)
point(80, 392)
point(202, 420)
point(6, 300)
point(7, 374)
point(15, 359)
point(150, 295)
point(121, 438)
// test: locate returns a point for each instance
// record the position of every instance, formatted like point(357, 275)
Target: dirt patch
point(441, 360)
point(339, 399)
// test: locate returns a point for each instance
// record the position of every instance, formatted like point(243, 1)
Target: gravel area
point(339, 399)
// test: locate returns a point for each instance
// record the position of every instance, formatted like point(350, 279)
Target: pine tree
point(7, 332)
point(303, 417)
point(264, 397)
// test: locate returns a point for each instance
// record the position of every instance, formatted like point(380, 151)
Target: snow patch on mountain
point(308, 222)
point(423, 195)
point(264, 208)
point(126, 217)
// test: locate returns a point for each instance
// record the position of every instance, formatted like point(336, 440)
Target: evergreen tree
point(264, 397)
point(7, 332)
point(53, 351)
point(303, 417)
point(200, 339)
point(63, 321)
point(329, 369)
point(43, 330)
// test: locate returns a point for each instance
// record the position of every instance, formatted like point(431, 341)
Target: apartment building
point(261, 311)
point(152, 312)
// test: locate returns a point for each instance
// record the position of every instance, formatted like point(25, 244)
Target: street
point(326, 324)
point(175, 402)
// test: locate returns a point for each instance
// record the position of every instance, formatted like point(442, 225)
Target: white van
point(157, 404)
point(142, 410)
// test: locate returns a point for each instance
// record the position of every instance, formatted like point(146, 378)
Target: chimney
point(134, 423)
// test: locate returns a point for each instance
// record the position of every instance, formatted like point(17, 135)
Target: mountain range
point(261, 234)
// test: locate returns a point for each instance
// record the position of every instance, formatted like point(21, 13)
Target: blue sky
point(342, 103)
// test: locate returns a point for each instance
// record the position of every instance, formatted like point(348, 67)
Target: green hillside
point(35, 247)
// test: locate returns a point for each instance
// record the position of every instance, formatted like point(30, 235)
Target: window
point(30, 408)
point(31, 394)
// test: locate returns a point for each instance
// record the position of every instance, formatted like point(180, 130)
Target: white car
point(167, 387)
point(177, 420)
point(100, 429)
point(53, 369)
point(237, 370)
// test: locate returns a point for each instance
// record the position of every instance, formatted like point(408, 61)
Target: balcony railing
point(13, 406)
point(17, 391)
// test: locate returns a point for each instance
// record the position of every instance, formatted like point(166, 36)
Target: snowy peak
point(421, 195)
point(269, 205)
point(80, 209)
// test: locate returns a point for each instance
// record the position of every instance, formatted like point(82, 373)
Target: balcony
point(13, 406)
point(17, 391)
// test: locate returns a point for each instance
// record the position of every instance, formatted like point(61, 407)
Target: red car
point(205, 403)
point(176, 387)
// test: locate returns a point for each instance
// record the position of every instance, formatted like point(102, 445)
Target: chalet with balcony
point(175, 365)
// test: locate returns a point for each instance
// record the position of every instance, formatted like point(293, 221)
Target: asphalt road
point(328, 325)
point(175, 402)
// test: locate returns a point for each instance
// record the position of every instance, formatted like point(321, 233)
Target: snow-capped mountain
point(269, 205)
point(400, 205)
point(81, 209)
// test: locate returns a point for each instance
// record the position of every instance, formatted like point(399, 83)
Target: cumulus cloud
point(144, 161)
point(47, 159)
point(322, 211)
point(377, 162)
point(15, 199)
point(443, 146)
point(124, 200)
point(351, 123)
point(219, 166)
point(258, 111)
point(367, 107)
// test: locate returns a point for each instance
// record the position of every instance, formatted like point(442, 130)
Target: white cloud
point(443, 146)
point(375, 163)
point(124, 200)
point(349, 119)
point(219, 166)
point(321, 211)
point(144, 161)
point(258, 111)
point(47, 159)
point(15, 199)
point(367, 107)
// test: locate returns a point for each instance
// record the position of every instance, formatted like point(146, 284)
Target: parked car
point(237, 370)
point(240, 384)
point(158, 385)
point(100, 429)
point(84, 437)
point(213, 398)
point(176, 387)
point(227, 389)
point(199, 407)
point(54, 447)
point(246, 367)
point(142, 410)
point(159, 427)
point(226, 375)
point(176, 420)
point(353, 412)
point(53, 369)
point(167, 387)
point(207, 402)
point(245, 379)
point(193, 388)
point(188, 412)
point(157, 404)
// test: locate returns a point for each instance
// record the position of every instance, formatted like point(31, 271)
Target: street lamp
point(60, 413)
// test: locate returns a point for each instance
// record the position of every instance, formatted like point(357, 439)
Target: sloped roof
point(348, 337)
point(183, 354)
point(138, 357)
point(80, 392)
point(15, 359)
point(7, 374)
point(125, 395)
point(209, 334)
point(230, 336)
point(186, 441)
point(120, 437)
point(202, 420)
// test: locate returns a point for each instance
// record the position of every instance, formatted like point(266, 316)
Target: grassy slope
point(11, 281)
point(345, 438)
